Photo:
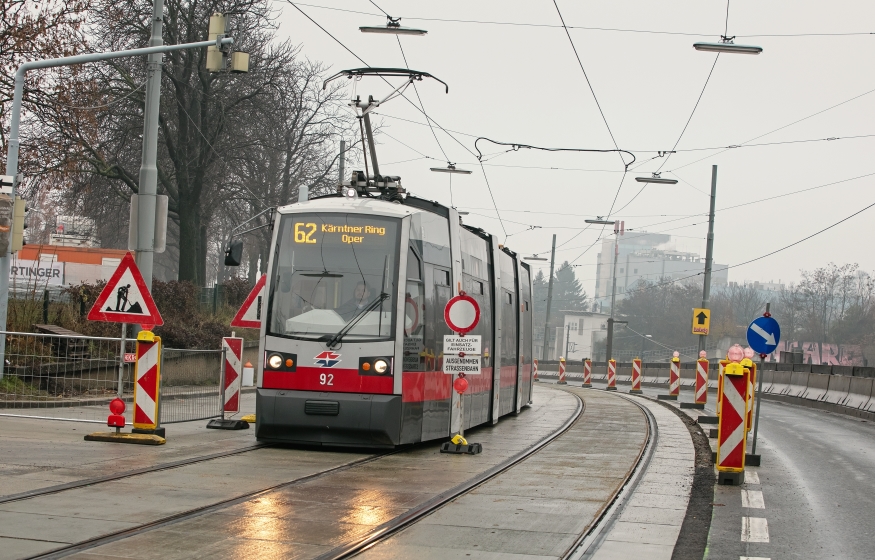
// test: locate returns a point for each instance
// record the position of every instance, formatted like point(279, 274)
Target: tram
point(351, 342)
point(352, 331)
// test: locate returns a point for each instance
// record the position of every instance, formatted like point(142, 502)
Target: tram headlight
point(275, 361)
point(381, 366)
point(350, 192)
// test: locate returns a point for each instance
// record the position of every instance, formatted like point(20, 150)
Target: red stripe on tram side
point(336, 380)
point(418, 386)
point(508, 376)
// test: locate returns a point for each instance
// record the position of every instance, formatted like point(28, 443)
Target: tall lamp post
point(709, 254)
point(618, 231)
point(549, 295)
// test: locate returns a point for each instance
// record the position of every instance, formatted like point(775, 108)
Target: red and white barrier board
point(701, 381)
point(535, 366)
point(233, 372)
point(732, 427)
point(612, 375)
point(720, 384)
point(751, 384)
point(674, 379)
point(587, 373)
point(636, 376)
point(147, 374)
point(562, 372)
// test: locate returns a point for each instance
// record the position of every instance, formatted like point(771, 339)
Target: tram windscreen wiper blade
point(323, 274)
point(355, 319)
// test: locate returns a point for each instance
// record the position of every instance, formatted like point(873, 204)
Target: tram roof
point(365, 205)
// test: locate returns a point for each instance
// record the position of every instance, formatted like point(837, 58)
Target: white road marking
point(752, 499)
point(754, 529)
point(752, 558)
point(751, 477)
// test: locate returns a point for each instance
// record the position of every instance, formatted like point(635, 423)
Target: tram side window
point(414, 314)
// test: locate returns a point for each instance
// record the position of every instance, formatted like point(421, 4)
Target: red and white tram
point(351, 344)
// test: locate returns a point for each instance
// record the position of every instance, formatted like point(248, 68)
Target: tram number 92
point(326, 379)
point(304, 233)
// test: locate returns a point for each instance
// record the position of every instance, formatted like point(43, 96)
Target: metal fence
point(64, 377)
point(190, 385)
point(72, 377)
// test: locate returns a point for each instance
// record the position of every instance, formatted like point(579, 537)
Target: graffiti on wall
point(822, 353)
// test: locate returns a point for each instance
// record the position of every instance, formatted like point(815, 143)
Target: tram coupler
point(227, 424)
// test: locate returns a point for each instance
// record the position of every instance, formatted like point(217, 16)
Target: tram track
point(56, 489)
point(583, 547)
point(114, 536)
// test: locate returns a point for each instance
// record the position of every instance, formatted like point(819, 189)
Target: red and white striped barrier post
point(147, 375)
point(702, 380)
point(612, 375)
point(722, 366)
point(587, 373)
point(562, 372)
point(732, 427)
point(232, 374)
point(674, 379)
point(535, 367)
point(636, 376)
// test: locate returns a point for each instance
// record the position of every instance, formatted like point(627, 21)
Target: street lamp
point(727, 46)
point(393, 27)
point(535, 257)
point(600, 221)
point(450, 168)
point(655, 178)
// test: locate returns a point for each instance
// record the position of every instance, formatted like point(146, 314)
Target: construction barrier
point(612, 375)
point(839, 385)
point(674, 381)
point(636, 376)
point(732, 426)
point(818, 384)
point(798, 384)
point(701, 381)
point(780, 382)
point(233, 347)
point(721, 367)
point(562, 372)
point(859, 392)
point(751, 389)
point(587, 373)
point(535, 368)
point(148, 377)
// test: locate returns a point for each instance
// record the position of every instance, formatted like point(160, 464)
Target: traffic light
point(19, 208)
point(215, 57)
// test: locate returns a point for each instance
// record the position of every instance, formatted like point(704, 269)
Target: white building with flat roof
point(582, 330)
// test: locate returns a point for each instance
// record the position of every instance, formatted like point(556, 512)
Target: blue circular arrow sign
point(763, 335)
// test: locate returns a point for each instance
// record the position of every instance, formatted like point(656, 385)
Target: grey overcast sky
point(517, 80)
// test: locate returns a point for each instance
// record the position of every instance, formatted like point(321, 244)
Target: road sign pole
point(121, 364)
point(709, 254)
point(759, 398)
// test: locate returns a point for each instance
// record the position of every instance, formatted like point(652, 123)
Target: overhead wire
point(589, 28)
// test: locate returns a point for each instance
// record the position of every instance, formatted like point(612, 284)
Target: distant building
point(645, 257)
point(578, 337)
point(37, 267)
point(74, 231)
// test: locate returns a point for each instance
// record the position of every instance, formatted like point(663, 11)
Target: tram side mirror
point(234, 253)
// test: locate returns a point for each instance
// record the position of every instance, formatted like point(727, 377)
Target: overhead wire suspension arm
point(385, 72)
point(516, 146)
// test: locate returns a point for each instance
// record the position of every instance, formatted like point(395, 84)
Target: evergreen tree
point(568, 294)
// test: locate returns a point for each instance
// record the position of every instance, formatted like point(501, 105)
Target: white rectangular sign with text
point(470, 362)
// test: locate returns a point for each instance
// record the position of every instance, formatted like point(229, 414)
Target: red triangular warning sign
point(125, 298)
point(249, 316)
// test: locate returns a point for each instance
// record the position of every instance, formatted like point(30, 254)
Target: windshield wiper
point(355, 319)
point(323, 274)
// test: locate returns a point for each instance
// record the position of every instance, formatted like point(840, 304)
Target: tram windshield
point(330, 274)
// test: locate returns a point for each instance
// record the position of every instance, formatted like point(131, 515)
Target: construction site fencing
point(61, 375)
point(64, 376)
point(190, 385)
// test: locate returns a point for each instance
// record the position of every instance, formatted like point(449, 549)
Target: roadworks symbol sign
point(701, 321)
point(125, 298)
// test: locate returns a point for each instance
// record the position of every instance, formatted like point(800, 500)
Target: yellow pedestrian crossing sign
point(701, 321)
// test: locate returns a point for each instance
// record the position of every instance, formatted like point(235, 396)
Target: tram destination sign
point(462, 354)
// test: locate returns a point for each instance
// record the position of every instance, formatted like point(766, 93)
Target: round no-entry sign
point(462, 313)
